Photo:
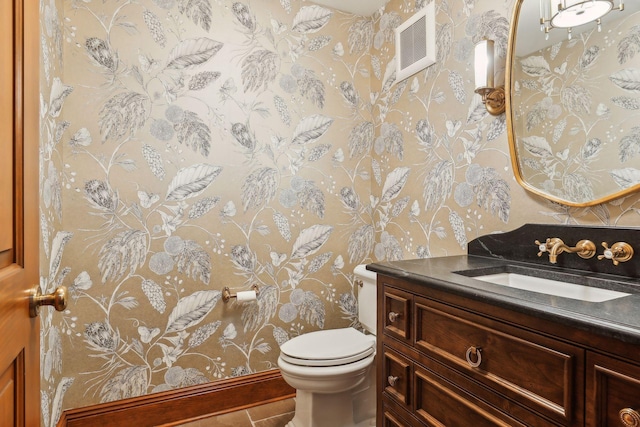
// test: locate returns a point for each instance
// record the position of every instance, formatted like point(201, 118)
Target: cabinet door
point(397, 376)
point(613, 392)
point(397, 313)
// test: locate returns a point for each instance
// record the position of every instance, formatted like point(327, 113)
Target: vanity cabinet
point(445, 360)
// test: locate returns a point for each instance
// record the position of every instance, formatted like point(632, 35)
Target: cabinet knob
point(392, 380)
point(393, 316)
point(629, 417)
point(476, 351)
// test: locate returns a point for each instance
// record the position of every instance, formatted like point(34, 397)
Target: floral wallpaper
point(204, 144)
point(189, 145)
point(577, 130)
point(53, 383)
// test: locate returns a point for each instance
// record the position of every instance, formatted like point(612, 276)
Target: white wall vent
point(416, 43)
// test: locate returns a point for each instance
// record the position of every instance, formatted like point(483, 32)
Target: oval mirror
point(573, 104)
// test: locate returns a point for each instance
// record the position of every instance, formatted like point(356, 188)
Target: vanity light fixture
point(492, 97)
point(573, 13)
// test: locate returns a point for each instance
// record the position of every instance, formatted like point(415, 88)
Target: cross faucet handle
point(542, 247)
point(617, 253)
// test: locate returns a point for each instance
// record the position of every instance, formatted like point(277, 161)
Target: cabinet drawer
point(393, 417)
point(397, 313)
point(392, 420)
point(397, 376)
point(538, 372)
point(440, 403)
point(613, 392)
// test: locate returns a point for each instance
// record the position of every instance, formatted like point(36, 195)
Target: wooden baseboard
point(188, 403)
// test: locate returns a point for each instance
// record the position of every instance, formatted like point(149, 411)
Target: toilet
point(333, 371)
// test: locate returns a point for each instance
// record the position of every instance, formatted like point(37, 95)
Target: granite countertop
point(618, 318)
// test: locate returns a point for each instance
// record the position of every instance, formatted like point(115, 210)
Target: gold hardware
point(476, 351)
point(392, 380)
point(629, 417)
point(359, 283)
point(619, 252)
point(493, 99)
point(227, 295)
point(58, 300)
point(393, 316)
point(555, 246)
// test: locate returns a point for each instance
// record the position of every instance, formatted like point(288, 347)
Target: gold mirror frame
point(511, 131)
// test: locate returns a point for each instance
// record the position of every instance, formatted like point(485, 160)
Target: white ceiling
point(356, 7)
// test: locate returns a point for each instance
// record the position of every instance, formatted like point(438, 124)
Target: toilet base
point(330, 410)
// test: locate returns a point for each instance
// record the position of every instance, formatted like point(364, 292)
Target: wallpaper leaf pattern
point(191, 53)
point(311, 19)
point(199, 11)
point(191, 181)
point(122, 114)
point(191, 310)
point(311, 128)
point(259, 69)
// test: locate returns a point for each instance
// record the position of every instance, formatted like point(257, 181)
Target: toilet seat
point(331, 347)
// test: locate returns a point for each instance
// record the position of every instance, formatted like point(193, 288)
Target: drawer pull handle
point(392, 380)
point(476, 351)
point(629, 417)
point(393, 316)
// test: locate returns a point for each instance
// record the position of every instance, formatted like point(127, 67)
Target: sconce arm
point(494, 99)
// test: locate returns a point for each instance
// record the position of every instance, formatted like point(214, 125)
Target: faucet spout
point(555, 246)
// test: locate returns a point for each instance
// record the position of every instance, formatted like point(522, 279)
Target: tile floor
point(275, 414)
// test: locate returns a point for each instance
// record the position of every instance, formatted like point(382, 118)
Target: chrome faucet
point(555, 246)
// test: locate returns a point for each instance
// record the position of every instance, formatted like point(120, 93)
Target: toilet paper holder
point(227, 295)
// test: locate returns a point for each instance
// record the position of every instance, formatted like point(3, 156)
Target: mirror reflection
point(574, 99)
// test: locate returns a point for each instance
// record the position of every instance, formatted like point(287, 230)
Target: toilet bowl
point(333, 370)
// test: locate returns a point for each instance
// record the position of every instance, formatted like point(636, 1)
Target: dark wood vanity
point(454, 351)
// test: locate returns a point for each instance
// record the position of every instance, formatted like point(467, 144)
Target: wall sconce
point(493, 98)
point(573, 13)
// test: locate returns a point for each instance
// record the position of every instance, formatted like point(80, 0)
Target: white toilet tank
point(367, 305)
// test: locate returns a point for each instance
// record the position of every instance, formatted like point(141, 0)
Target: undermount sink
point(551, 287)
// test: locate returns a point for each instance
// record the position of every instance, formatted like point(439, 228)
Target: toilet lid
point(328, 348)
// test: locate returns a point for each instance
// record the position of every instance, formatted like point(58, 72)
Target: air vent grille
point(415, 43)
